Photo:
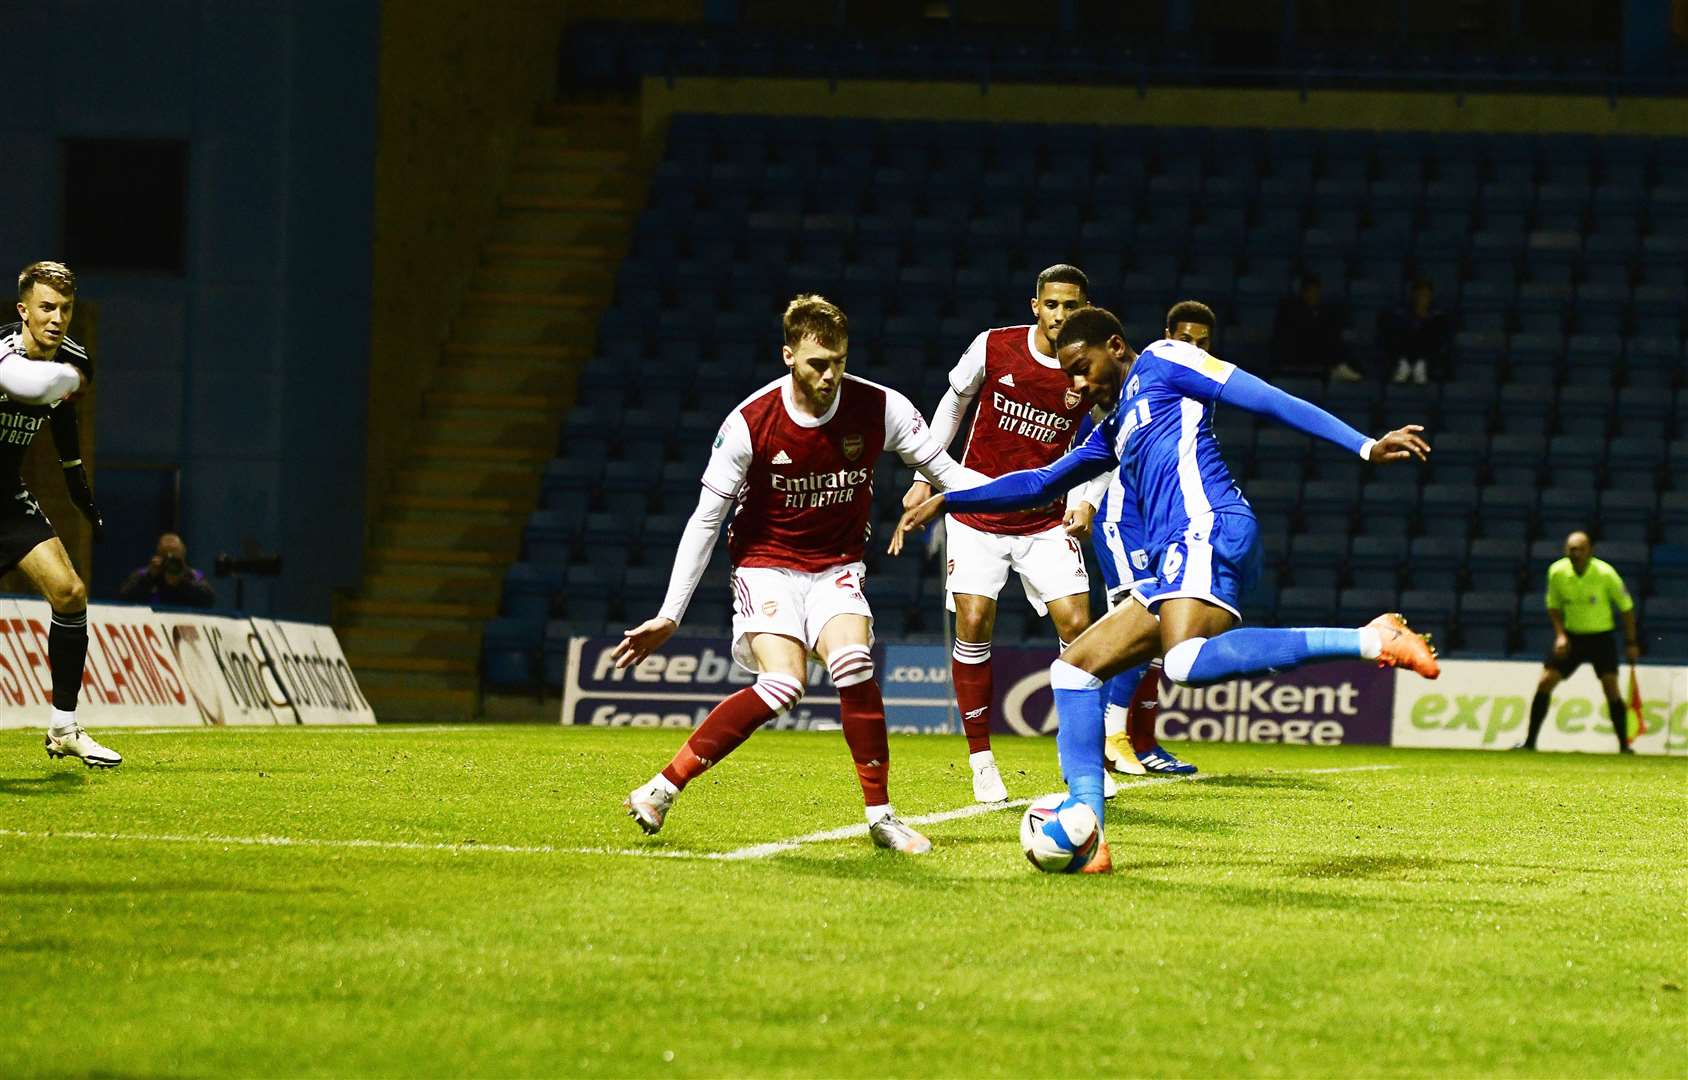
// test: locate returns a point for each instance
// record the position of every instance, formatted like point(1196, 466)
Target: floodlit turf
point(1458, 914)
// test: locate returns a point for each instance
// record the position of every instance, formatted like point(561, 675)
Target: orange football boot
point(1100, 863)
point(1404, 648)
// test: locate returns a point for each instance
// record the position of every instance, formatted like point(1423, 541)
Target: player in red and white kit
point(797, 458)
point(1027, 415)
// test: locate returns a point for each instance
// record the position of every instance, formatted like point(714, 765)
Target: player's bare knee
point(67, 594)
point(778, 690)
point(850, 666)
point(1181, 658)
point(974, 622)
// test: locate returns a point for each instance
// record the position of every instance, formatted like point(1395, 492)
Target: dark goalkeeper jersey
point(19, 423)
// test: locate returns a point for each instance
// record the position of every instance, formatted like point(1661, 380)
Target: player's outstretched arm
point(1016, 490)
point(642, 640)
point(1400, 445)
point(946, 420)
point(1249, 392)
point(697, 540)
point(37, 382)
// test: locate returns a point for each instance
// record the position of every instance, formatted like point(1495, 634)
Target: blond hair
point(55, 275)
point(811, 315)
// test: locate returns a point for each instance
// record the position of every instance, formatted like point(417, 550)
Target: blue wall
point(251, 373)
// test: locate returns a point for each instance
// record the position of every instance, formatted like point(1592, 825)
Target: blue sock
point(1253, 651)
point(1078, 702)
point(1123, 685)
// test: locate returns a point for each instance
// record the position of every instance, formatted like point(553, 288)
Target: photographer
point(168, 579)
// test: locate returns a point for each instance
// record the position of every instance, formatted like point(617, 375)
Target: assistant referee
point(1581, 593)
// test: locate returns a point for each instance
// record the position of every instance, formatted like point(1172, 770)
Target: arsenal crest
point(852, 446)
point(1072, 399)
point(770, 608)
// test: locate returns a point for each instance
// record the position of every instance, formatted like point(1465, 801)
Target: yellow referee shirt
point(1586, 601)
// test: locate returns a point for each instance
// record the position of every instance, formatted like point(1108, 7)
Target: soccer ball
point(1059, 836)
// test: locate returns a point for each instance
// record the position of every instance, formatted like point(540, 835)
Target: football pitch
point(473, 901)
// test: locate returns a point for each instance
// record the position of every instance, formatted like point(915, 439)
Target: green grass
point(1456, 914)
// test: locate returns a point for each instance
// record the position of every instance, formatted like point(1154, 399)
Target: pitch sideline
point(754, 851)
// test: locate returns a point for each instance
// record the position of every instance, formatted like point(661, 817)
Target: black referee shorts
point(1597, 649)
point(23, 527)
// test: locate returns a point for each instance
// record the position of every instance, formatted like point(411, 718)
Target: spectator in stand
point(1307, 336)
point(168, 579)
point(1418, 338)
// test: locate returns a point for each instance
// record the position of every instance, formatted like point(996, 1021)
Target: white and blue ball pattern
point(1058, 834)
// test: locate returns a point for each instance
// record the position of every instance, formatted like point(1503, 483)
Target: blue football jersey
point(1163, 438)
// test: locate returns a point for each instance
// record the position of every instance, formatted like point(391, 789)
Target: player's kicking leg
point(781, 662)
point(1196, 637)
point(49, 569)
point(843, 645)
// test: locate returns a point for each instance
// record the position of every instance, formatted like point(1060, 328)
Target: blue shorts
point(1217, 559)
point(1122, 558)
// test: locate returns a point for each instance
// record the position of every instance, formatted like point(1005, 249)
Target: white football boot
point(649, 805)
point(987, 778)
point(1118, 756)
point(79, 744)
point(888, 832)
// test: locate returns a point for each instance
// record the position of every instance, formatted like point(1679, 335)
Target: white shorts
point(794, 604)
point(1050, 564)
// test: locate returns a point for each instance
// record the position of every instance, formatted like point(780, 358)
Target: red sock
point(727, 725)
point(1144, 709)
point(862, 711)
point(970, 672)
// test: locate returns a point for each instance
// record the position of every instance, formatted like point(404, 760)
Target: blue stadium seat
point(550, 536)
point(1486, 621)
point(1355, 607)
point(1620, 507)
point(1498, 561)
point(1507, 509)
point(1305, 606)
point(510, 652)
point(529, 589)
point(1432, 553)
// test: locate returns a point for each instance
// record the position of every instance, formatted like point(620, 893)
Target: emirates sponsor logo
point(817, 490)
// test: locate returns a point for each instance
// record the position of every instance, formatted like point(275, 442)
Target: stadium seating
point(1567, 406)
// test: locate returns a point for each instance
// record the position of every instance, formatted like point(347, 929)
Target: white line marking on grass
point(755, 851)
point(761, 851)
point(337, 729)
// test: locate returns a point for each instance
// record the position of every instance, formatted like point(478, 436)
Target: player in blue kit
point(1122, 553)
point(1202, 533)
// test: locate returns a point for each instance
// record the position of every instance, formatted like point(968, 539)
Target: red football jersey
point(1027, 413)
point(804, 484)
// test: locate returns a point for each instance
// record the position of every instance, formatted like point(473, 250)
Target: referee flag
point(1635, 702)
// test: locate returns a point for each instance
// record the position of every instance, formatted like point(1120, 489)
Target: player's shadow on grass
point(1132, 817)
point(1278, 781)
point(57, 783)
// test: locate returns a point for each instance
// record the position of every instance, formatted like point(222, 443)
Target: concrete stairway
point(452, 520)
